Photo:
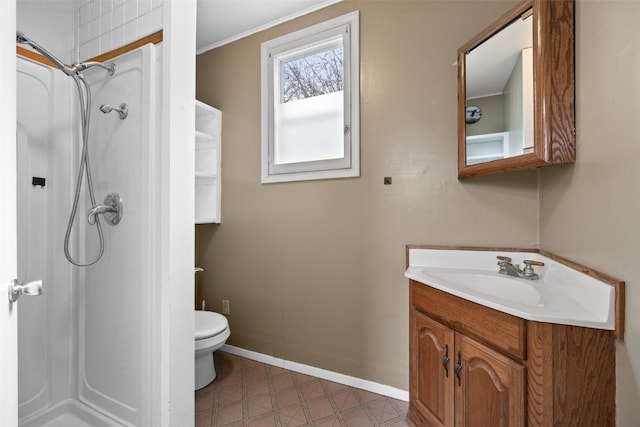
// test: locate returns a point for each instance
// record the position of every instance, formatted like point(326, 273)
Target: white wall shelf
point(487, 147)
point(207, 164)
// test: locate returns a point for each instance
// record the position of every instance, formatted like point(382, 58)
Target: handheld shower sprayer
point(112, 207)
point(21, 38)
point(74, 69)
point(123, 111)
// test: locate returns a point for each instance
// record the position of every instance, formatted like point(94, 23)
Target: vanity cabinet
point(207, 164)
point(459, 378)
point(471, 365)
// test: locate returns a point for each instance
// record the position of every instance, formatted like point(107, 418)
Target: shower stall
point(88, 347)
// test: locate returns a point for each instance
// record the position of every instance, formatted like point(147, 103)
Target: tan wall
point(591, 210)
point(314, 270)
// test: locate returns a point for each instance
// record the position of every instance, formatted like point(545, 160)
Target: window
point(310, 103)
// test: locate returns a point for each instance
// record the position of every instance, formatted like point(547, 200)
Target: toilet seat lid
point(209, 324)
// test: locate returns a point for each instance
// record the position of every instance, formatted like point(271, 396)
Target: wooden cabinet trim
point(571, 376)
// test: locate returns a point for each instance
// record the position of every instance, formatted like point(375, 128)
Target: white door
point(8, 235)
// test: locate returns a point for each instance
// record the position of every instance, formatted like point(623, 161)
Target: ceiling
point(489, 66)
point(224, 21)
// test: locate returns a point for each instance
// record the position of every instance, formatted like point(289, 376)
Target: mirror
point(499, 94)
point(516, 91)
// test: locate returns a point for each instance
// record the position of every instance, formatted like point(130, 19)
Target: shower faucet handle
point(112, 210)
point(31, 288)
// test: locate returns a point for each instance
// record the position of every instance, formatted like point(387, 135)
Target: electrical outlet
point(226, 309)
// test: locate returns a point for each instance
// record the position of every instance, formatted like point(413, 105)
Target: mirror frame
point(553, 89)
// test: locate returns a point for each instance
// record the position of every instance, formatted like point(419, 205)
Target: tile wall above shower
point(104, 25)
point(50, 23)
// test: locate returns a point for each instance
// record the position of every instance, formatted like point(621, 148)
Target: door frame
point(8, 215)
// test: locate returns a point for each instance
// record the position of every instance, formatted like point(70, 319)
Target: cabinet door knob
point(445, 360)
point(458, 368)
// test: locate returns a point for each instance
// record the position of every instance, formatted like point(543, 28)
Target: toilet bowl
point(211, 332)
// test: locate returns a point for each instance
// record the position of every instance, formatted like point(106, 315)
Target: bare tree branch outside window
point(317, 74)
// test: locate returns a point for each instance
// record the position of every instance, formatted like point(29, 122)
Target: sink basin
point(489, 284)
point(561, 295)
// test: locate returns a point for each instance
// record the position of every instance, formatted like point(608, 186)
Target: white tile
point(117, 3)
point(76, 53)
point(85, 14)
point(94, 29)
point(95, 9)
point(117, 37)
point(84, 52)
point(144, 6)
point(144, 25)
point(130, 10)
point(105, 23)
point(94, 47)
point(156, 19)
point(106, 5)
point(117, 18)
point(76, 19)
point(130, 32)
point(156, 4)
point(105, 42)
point(71, 55)
point(83, 34)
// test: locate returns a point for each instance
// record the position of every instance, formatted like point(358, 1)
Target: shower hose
point(84, 96)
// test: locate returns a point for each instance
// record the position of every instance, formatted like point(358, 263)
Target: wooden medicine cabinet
point(516, 91)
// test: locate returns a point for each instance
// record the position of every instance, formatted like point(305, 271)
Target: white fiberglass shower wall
point(88, 347)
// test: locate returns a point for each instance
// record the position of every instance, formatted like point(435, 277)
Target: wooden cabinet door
point(489, 387)
point(430, 380)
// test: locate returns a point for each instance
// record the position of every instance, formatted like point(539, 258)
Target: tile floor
point(247, 393)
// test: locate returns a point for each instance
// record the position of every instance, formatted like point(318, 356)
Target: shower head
point(123, 111)
point(21, 38)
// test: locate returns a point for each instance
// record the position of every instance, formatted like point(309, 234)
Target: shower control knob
point(31, 288)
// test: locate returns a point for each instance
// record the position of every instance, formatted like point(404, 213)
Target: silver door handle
point(31, 288)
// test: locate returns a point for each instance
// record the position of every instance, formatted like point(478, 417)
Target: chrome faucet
point(123, 111)
point(509, 269)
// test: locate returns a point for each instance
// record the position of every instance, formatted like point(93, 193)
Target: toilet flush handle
point(197, 269)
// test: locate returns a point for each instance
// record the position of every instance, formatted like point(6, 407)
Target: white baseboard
point(360, 383)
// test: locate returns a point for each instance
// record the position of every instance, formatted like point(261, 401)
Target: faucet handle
point(528, 272)
point(531, 262)
point(503, 258)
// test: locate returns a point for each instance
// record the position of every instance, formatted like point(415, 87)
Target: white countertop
point(561, 295)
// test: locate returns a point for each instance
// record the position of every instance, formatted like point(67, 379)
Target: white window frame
point(349, 165)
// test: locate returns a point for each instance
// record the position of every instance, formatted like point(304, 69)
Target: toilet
point(211, 332)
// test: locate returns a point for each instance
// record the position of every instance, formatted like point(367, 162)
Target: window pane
point(319, 73)
point(310, 103)
point(309, 129)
